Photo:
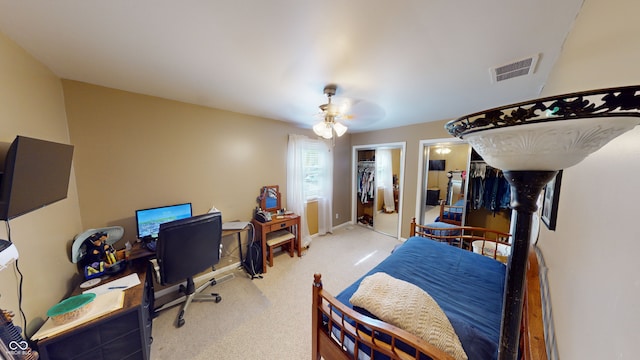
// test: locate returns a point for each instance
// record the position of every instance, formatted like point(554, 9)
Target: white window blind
point(313, 168)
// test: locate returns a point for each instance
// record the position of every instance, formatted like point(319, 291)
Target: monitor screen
point(148, 220)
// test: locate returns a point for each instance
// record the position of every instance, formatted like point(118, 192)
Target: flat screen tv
point(437, 165)
point(148, 220)
point(35, 174)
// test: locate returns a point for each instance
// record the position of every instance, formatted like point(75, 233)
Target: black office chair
point(186, 248)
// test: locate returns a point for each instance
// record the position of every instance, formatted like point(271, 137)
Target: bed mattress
point(468, 287)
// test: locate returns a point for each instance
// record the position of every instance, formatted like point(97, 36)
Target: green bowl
point(71, 308)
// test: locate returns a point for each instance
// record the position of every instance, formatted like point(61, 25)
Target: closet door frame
point(423, 161)
point(354, 179)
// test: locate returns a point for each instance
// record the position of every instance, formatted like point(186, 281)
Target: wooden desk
point(123, 333)
point(140, 250)
point(292, 222)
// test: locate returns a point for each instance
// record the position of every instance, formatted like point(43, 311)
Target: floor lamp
point(530, 142)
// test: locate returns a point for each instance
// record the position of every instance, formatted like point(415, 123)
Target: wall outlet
point(337, 216)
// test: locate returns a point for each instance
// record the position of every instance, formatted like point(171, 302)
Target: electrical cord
point(20, 282)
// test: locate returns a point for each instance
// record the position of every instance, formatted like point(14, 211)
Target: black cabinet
point(433, 197)
point(122, 334)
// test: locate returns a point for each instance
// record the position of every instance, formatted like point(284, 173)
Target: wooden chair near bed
point(329, 313)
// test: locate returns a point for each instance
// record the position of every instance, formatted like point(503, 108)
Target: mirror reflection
point(455, 186)
point(270, 198)
point(378, 180)
point(443, 179)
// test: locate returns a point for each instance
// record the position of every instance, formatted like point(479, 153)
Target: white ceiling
point(399, 62)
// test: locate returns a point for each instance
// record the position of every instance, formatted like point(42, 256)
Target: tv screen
point(148, 220)
point(36, 173)
point(437, 165)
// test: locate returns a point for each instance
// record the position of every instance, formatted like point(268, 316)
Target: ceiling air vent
point(517, 68)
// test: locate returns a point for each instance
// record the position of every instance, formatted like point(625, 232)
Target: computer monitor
point(148, 220)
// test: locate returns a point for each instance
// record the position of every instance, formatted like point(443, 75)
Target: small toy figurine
point(95, 248)
point(98, 251)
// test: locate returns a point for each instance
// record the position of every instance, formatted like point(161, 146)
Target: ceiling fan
point(331, 112)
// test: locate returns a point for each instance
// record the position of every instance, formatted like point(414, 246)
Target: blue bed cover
point(467, 286)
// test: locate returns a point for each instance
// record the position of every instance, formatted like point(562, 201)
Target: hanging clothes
point(489, 188)
point(366, 181)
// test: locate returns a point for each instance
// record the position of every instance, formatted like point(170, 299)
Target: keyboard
point(151, 245)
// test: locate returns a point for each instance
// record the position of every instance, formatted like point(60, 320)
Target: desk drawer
point(282, 225)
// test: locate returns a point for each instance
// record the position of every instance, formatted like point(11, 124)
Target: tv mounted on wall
point(437, 165)
point(35, 174)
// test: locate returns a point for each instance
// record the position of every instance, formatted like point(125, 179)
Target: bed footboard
point(339, 333)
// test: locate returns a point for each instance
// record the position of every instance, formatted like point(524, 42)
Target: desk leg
point(240, 249)
point(263, 241)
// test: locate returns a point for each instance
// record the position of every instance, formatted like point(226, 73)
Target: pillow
point(408, 307)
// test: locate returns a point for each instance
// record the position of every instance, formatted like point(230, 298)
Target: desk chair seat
point(186, 248)
point(279, 238)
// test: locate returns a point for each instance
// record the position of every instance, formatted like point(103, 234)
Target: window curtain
point(384, 178)
point(298, 148)
point(325, 187)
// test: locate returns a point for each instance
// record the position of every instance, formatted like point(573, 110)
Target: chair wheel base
point(180, 321)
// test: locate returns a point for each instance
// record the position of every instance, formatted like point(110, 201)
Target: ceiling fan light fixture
point(323, 129)
point(330, 112)
point(443, 150)
point(339, 128)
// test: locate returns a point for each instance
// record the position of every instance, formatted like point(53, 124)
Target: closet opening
point(377, 187)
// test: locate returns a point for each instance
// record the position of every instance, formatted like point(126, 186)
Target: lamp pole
point(526, 187)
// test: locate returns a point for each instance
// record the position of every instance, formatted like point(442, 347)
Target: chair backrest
point(189, 246)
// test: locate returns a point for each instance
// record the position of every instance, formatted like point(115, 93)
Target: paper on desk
point(123, 283)
point(102, 304)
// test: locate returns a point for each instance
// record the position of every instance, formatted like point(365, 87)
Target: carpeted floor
point(269, 318)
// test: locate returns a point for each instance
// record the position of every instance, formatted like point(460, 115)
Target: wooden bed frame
point(328, 346)
point(446, 209)
point(464, 236)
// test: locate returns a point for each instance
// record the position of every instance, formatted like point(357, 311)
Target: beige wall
point(132, 151)
point(137, 151)
point(342, 180)
point(31, 104)
point(592, 257)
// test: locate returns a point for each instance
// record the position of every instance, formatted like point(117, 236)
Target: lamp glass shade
point(323, 129)
point(550, 133)
point(339, 128)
